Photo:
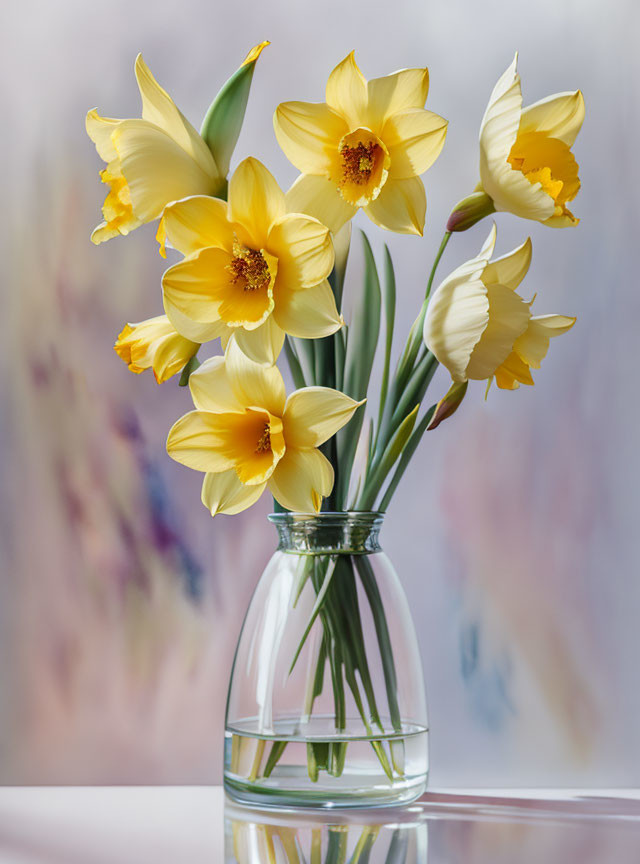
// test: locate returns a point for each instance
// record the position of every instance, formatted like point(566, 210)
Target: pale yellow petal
point(508, 318)
point(301, 479)
point(211, 389)
point(320, 198)
point(196, 330)
point(533, 344)
point(224, 493)
point(560, 116)
point(414, 139)
point(401, 206)
point(262, 345)
point(346, 91)
point(303, 248)
point(195, 285)
point(508, 188)
point(457, 316)
point(196, 222)
point(510, 269)
point(313, 414)
point(255, 385)
point(399, 91)
point(255, 200)
point(195, 440)
point(157, 170)
point(309, 313)
point(100, 129)
point(159, 108)
point(309, 134)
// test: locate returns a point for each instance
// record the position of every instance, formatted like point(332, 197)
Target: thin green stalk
point(415, 389)
point(294, 363)
point(376, 605)
point(407, 361)
point(407, 453)
point(389, 315)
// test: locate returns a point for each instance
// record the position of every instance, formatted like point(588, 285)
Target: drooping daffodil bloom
point(364, 147)
point(155, 344)
point(150, 161)
point(247, 436)
point(480, 328)
point(526, 163)
point(250, 269)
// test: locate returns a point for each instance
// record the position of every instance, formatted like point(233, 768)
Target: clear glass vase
point(326, 702)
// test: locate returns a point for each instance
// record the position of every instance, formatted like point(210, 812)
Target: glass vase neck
point(343, 533)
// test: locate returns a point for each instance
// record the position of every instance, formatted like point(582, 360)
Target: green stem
point(188, 368)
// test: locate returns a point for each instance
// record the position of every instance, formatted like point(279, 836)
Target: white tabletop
point(154, 825)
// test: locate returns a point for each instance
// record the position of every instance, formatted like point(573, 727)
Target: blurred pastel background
point(515, 532)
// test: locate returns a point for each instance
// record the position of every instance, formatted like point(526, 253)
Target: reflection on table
point(441, 828)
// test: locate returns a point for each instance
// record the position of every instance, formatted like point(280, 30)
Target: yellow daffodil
point(150, 162)
point(480, 328)
point(526, 163)
point(364, 147)
point(155, 344)
point(250, 269)
point(248, 437)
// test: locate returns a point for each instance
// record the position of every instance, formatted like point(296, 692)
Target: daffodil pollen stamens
point(264, 441)
point(249, 267)
point(358, 162)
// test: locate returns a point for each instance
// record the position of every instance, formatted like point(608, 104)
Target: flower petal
point(309, 134)
point(195, 440)
point(457, 316)
point(320, 198)
point(560, 116)
point(309, 313)
point(197, 331)
point(346, 91)
point(262, 345)
point(533, 345)
point(211, 389)
point(508, 318)
point(512, 373)
point(303, 248)
point(255, 200)
point(224, 493)
point(414, 139)
point(159, 108)
point(196, 222)
point(196, 285)
point(313, 414)
point(157, 170)
point(400, 91)
point(254, 384)
point(510, 269)
point(301, 479)
point(401, 206)
point(509, 188)
point(100, 129)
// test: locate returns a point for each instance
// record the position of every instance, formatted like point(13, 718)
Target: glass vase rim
point(326, 516)
point(329, 532)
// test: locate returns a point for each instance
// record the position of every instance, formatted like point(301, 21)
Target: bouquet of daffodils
point(260, 274)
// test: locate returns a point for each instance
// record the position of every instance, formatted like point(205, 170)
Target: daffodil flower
point(250, 270)
point(247, 436)
point(150, 162)
point(526, 163)
point(364, 147)
point(480, 328)
point(155, 344)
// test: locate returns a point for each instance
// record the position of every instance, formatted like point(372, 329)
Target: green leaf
point(407, 454)
point(361, 351)
point(223, 121)
point(331, 565)
point(294, 363)
point(391, 454)
point(389, 318)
